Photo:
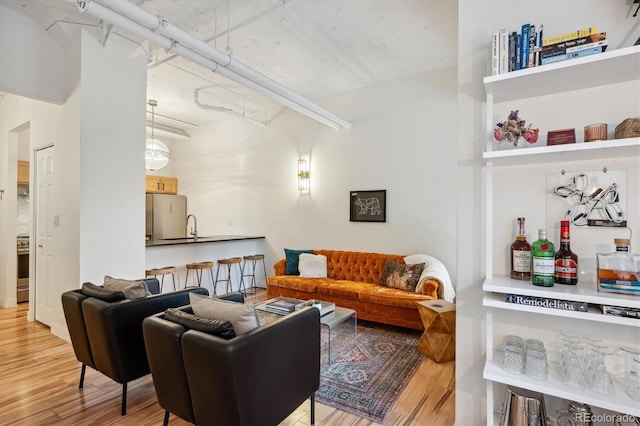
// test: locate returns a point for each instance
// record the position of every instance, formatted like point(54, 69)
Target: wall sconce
point(303, 175)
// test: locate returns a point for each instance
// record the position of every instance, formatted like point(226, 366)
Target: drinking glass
point(536, 364)
point(627, 369)
point(513, 360)
point(513, 341)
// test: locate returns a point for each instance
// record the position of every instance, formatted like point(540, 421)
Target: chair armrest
point(115, 331)
point(279, 361)
point(72, 307)
point(164, 352)
point(432, 287)
point(280, 267)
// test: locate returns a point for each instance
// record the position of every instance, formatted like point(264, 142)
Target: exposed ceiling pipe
point(207, 56)
point(196, 96)
point(162, 26)
point(107, 14)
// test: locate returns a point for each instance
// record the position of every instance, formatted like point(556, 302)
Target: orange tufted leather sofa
point(352, 282)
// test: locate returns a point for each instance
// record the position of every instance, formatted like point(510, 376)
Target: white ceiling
point(314, 47)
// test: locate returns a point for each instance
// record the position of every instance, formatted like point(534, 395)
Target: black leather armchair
point(108, 336)
point(256, 378)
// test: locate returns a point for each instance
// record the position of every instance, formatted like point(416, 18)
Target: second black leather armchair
point(256, 378)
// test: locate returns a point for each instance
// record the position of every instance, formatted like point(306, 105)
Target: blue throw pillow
point(292, 258)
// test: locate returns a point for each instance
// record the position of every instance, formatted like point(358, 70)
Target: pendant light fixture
point(157, 153)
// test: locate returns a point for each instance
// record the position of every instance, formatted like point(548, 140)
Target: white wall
point(43, 120)
point(111, 159)
point(402, 140)
point(98, 135)
point(33, 65)
point(477, 20)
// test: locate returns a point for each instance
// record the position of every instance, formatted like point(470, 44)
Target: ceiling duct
point(157, 30)
point(168, 131)
point(196, 99)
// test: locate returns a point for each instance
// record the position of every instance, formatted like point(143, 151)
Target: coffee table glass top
point(332, 318)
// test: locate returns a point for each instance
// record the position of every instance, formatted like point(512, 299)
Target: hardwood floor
point(39, 377)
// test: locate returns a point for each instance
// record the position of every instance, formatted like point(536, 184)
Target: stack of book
point(284, 305)
point(512, 51)
point(571, 45)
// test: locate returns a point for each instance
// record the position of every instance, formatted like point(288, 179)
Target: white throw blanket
point(433, 269)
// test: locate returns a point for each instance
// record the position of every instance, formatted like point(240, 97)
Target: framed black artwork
point(368, 206)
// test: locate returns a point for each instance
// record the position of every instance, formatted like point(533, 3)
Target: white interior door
point(44, 226)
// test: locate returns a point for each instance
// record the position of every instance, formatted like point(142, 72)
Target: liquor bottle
point(521, 255)
point(543, 260)
point(622, 245)
point(566, 261)
point(618, 271)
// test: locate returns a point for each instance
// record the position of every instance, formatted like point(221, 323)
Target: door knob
point(40, 245)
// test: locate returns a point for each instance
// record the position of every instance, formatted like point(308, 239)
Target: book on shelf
point(518, 51)
point(495, 54)
point(620, 311)
point(285, 305)
point(533, 34)
point(503, 50)
point(538, 46)
point(513, 37)
point(593, 40)
point(571, 35)
point(524, 49)
point(572, 55)
point(544, 302)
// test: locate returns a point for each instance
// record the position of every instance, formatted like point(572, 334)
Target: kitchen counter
point(181, 251)
point(211, 239)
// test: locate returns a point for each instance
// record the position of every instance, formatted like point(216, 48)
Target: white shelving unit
point(610, 68)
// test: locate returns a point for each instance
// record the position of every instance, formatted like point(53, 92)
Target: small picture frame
point(368, 206)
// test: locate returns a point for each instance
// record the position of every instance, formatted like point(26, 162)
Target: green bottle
point(543, 259)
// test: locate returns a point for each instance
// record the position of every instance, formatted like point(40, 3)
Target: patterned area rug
point(368, 370)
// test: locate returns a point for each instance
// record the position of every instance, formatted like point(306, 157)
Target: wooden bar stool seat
point(252, 259)
point(165, 270)
point(226, 265)
point(198, 268)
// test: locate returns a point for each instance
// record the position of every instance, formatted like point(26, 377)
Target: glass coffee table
point(329, 320)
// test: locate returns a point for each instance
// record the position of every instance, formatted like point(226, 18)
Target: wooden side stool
point(198, 268)
point(165, 270)
point(438, 342)
point(253, 259)
point(226, 264)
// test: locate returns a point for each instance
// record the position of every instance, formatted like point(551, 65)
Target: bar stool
point(165, 270)
point(253, 259)
point(198, 268)
point(227, 264)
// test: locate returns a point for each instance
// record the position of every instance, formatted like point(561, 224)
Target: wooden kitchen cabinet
point(23, 172)
point(161, 184)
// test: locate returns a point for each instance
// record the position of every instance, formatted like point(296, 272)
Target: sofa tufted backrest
point(356, 265)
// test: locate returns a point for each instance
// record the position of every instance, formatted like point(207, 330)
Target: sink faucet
point(194, 230)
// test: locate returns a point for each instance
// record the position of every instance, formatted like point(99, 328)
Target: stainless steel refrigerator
point(166, 216)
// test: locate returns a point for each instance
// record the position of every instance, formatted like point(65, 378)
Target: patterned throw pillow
point(403, 277)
